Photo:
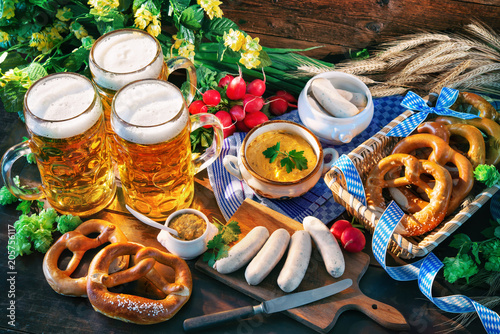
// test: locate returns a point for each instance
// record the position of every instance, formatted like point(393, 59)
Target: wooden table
point(38, 309)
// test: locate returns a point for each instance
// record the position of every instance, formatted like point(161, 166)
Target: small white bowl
point(334, 130)
point(240, 168)
point(189, 249)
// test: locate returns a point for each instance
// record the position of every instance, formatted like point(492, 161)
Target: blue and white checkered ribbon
point(353, 180)
point(414, 102)
point(425, 271)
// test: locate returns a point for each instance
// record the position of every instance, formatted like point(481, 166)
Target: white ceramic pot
point(187, 249)
point(240, 168)
point(335, 130)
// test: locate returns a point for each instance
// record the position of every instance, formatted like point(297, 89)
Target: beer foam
point(127, 55)
point(57, 100)
point(155, 111)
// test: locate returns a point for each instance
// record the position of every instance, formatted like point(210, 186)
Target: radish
point(255, 118)
point(287, 96)
point(338, 227)
point(197, 107)
point(237, 88)
point(240, 125)
point(278, 105)
point(223, 82)
point(211, 97)
point(256, 87)
point(353, 240)
point(252, 103)
point(227, 123)
point(237, 113)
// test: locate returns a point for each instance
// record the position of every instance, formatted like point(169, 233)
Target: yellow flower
point(178, 42)
point(15, 74)
point(103, 6)
point(142, 17)
point(60, 26)
point(211, 7)
point(252, 44)
point(64, 14)
point(155, 27)
point(4, 37)
point(187, 51)
point(40, 41)
point(78, 30)
point(250, 59)
point(9, 9)
point(235, 39)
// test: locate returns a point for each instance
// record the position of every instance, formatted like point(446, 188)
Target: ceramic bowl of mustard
point(194, 229)
point(271, 179)
point(330, 129)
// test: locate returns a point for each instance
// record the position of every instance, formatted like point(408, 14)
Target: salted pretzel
point(429, 216)
point(131, 308)
point(442, 154)
point(477, 147)
point(485, 109)
point(78, 243)
point(488, 127)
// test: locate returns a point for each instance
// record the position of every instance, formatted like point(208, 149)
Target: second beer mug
point(125, 55)
point(152, 146)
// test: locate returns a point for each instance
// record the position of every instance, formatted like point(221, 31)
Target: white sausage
point(241, 253)
point(327, 245)
point(331, 100)
point(358, 99)
point(297, 261)
point(268, 257)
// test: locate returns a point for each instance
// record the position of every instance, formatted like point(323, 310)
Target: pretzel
point(442, 154)
point(429, 216)
point(477, 147)
point(485, 109)
point(131, 308)
point(78, 243)
point(487, 126)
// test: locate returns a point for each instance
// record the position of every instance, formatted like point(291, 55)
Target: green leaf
point(192, 17)
point(217, 27)
point(35, 71)
point(497, 232)
point(6, 196)
point(288, 163)
point(12, 96)
point(77, 59)
point(458, 267)
point(298, 159)
point(265, 61)
point(459, 240)
point(186, 34)
point(24, 207)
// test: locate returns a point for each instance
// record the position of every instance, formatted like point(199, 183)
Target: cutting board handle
point(383, 314)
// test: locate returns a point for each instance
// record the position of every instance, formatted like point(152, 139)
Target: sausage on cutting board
point(297, 261)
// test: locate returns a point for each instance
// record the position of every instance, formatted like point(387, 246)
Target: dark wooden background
point(343, 25)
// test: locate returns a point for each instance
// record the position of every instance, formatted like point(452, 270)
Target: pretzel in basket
point(477, 148)
point(442, 154)
point(484, 108)
point(429, 216)
point(78, 243)
point(131, 308)
point(488, 127)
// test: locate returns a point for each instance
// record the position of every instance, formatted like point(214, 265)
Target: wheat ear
point(409, 42)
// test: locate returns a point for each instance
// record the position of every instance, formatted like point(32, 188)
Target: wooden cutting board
point(323, 314)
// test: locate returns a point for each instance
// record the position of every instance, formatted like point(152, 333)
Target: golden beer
point(65, 122)
point(125, 55)
point(152, 147)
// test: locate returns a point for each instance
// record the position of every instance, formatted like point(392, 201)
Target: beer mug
point(125, 55)
point(152, 146)
point(65, 122)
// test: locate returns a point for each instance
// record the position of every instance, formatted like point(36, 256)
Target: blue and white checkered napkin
point(318, 202)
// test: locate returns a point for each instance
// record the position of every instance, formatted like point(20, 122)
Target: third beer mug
point(125, 55)
point(152, 146)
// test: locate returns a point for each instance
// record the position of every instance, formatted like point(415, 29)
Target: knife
point(279, 304)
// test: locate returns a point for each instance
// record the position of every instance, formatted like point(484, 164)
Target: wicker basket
point(364, 157)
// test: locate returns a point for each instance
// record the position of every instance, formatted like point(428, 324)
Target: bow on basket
point(414, 102)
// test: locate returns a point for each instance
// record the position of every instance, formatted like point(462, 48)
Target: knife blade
point(279, 304)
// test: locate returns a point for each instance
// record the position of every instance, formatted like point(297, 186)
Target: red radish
point(240, 125)
point(353, 240)
point(255, 118)
point(277, 105)
point(252, 103)
point(226, 121)
point(338, 227)
point(223, 82)
point(197, 107)
point(256, 87)
point(287, 96)
point(237, 113)
point(211, 97)
point(237, 88)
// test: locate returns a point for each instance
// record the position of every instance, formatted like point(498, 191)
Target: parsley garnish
point(292, 159)
point(218, 247)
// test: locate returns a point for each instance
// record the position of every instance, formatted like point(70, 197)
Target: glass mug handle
point(176, 63)
point(8, 160)
point(203, 161)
